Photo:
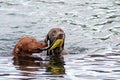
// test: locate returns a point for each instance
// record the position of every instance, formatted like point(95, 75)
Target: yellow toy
point(57, 43)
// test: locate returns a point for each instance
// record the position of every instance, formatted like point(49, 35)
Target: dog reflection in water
point(55, 65)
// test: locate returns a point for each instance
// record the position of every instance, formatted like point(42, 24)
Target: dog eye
point(54, 31)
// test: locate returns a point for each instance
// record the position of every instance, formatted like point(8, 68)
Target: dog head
point(55, 33)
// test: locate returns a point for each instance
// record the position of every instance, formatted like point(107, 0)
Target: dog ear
point(46, 40)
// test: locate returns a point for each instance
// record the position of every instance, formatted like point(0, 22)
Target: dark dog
point(52, 36)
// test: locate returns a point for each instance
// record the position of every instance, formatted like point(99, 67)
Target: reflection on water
point(55, 64)
point(92, 66)
point(27, 61)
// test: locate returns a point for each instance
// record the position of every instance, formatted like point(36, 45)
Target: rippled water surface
point(92, 30)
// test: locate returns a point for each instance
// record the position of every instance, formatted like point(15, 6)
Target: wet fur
point(51, 37)
point(26, 46)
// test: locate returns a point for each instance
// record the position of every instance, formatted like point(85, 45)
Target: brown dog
point(26, 46)
point(54, 34)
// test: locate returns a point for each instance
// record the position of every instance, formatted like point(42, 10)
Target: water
point(92, 30)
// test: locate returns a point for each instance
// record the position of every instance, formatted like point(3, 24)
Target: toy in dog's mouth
point(58, 42)
point(55, 44)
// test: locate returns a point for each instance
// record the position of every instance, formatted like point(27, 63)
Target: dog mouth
point(57, 43)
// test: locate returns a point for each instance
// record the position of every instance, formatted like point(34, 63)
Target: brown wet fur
point(27, 46)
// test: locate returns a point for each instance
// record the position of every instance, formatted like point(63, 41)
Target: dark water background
point(92, 30)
